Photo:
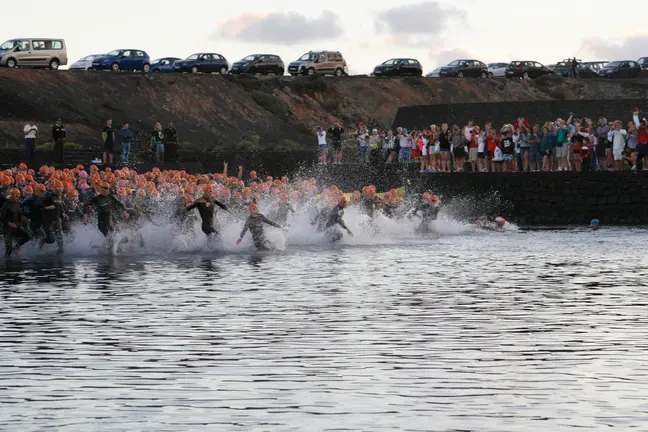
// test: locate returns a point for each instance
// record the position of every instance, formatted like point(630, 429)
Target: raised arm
point(269, 222)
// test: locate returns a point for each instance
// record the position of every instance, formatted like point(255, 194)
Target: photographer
point(335, 133)
point(642, 139)
point(601, 143)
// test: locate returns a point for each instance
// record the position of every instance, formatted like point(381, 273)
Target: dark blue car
point(203, 62)
point(123, 59)
point(164, 64)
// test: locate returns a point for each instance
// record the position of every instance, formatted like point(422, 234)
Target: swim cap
point(254, 208)
point(434, 198)
point(594, 222)
point(15, 191)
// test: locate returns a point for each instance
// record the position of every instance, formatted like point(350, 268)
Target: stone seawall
point(528, 199)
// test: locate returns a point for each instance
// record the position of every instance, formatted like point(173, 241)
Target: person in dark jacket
point(59, 134)
point(126, 136)
point(171, 142)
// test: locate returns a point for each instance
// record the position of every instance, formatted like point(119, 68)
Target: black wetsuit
point(33, 210)
point(369, 206)
point(334, 219)
point(428, 214)
point(254, 223)
point(321, 218)
point(206, 210)
point(104, 206)
point(12, 212)
point(74, 214)
point(52, 219)
point(281, 214)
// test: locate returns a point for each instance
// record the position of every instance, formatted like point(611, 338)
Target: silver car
point(434, 73)
point(85, 63)
point(497, 70)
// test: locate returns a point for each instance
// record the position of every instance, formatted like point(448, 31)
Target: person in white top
point(31, 133)
point(617, 137)
point(321, 142)
point(481, 149)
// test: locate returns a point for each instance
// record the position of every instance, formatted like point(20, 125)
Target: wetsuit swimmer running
point(53, 213)
point(11, 218)
point(254, 223)
point(205, 206)
point(335, 219)
point(429, 208)
point(104, 203)
point(284, 206)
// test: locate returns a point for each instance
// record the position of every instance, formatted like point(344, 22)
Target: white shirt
point(466, 132)
point(321, 138)
point(617, 137)
point(481, 142)
point(30, 131)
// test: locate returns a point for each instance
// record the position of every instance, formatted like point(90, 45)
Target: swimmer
point(205, 206)
point(12, 219)
point(594, 224)
point(429, 208)
point(103, 204)
point(335, 219)
point(254, 223)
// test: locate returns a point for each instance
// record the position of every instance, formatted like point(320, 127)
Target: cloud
point(630, 48)
point(428, 17)
point(290, 28)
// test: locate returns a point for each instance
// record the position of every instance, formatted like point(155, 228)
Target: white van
point(48, 53)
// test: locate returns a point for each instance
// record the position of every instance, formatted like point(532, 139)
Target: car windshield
point(454, 63)
point(614, 64)
point(561, 64)
point(193, 57)
point(516, 63)
point(88, 58)
point(10, 44)
point(310, 56)
point(250, 58)
point(389, 62)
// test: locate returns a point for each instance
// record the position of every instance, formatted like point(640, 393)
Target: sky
point(365, 32)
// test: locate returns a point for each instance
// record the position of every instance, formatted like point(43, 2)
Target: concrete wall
point(501, 113)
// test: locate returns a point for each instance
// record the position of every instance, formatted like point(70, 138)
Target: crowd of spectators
point(574, 144)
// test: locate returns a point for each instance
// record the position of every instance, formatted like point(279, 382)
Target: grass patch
point(270, 103)
point(67, 146)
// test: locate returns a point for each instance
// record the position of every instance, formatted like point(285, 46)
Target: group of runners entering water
point(47, 205)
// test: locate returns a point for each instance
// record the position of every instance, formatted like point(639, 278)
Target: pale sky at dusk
point(366, 32)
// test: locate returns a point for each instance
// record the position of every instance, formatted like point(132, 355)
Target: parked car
point(596, 65)
point(46, 53)
point(584, 70)
point(262, 64)
point(164, 64)
point(497, 70)
point(550, 66)
point(620, 69)
point(123, 59)
point(203, 62)
point(85, 63)
point(465, 68)
point(643, 62)
point(527, 69)
point(319, 63)
point(434, 73)
point(399, 67)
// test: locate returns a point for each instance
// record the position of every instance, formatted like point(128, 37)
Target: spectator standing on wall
point(31, 133)
point(601, 143)
point(444, 139)
point(126, 137)
point(521, 122)
point(321, 143)
point(435, 157)
point(535, 158)
point(335, 134)
point(631, 146)
point(525, 148)
point(58, 136)
point(171, 142)
point(545, 148)
point(108, 137)
point(492, 143)
point(617, 137)
point(362, 135)
point(481, 149)
point(562, 145)
point(508, 147)
point(157, 143)
point(458, 147)
point(404, 146)
point(473, 148)
point(388, 147)
point(642, 139)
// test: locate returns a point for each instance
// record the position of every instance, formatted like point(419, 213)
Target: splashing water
point(164, 235)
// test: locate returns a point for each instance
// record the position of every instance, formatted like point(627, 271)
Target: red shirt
point(491, 144)
point(642, 138)
point(525, 123)
point(473, 143)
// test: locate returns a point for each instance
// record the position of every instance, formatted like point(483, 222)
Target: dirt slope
point(215, 111)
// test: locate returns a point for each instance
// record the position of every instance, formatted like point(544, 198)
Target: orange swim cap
point(254, 208)
point(15, 191)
